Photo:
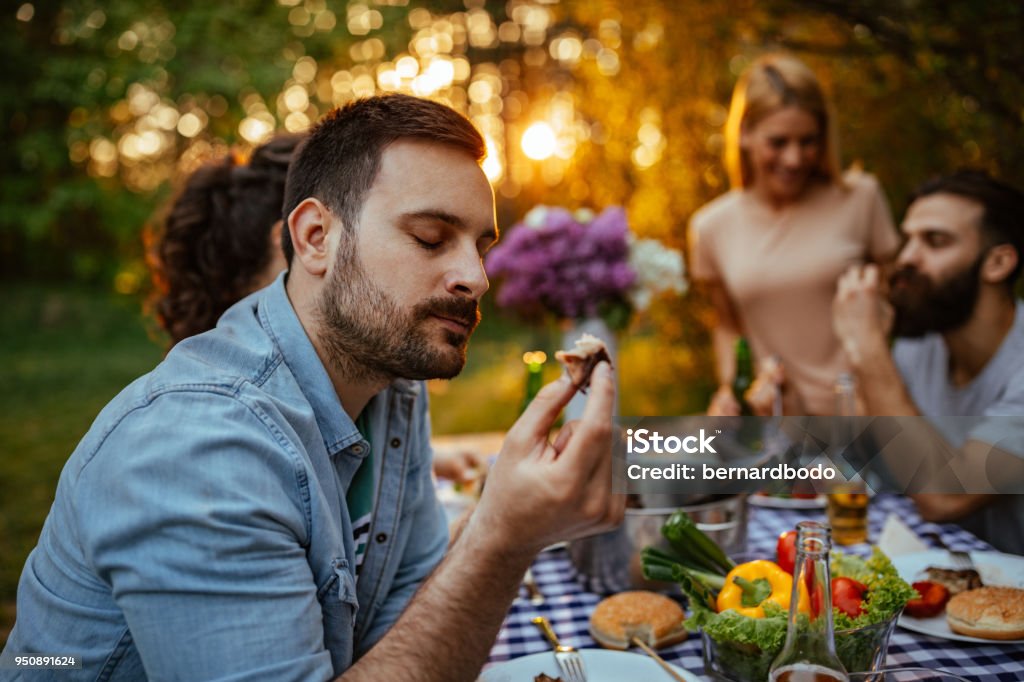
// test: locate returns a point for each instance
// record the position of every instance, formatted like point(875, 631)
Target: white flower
point(583, 215)
point(658, 269)
point(536, 217)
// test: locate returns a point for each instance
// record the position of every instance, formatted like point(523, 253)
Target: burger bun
point(988, 613)
point(653, 618)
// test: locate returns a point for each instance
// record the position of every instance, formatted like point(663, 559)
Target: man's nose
point(909, 254)
point(467, 277)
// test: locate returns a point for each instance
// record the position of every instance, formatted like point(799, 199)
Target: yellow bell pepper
point(780, 582)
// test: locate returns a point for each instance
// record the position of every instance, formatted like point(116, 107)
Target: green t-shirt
point(360, 496)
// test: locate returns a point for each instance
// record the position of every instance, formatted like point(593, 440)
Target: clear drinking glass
point(847, 500)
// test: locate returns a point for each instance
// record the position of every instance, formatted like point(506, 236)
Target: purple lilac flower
point(562, 266)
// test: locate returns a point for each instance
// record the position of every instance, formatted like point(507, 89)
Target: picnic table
point(568, 603)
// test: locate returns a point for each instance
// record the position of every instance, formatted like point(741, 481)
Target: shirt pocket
point(338, 603)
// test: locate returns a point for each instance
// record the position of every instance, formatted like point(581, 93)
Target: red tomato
point(848, 595)
point(933, 599)
point(785, 551)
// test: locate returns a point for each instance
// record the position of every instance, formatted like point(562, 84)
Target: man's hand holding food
point(540, 492)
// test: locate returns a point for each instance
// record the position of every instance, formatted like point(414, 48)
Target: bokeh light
point(539, 141)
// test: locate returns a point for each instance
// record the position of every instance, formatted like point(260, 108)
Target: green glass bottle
point(744, 376)
point(534, 361)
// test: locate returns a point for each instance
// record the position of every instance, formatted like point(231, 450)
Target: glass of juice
point(848, 512)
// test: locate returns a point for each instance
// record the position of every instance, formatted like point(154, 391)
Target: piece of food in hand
point(988, 613)
point(848, 596)
point(933, 600)
point(581, 360)
point(653, 618)
point(956, 581)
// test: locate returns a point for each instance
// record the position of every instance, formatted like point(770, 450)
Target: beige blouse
point(780, 271)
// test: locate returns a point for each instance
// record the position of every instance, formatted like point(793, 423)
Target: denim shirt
point(200, 530)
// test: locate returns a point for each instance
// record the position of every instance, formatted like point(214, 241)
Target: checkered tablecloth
point(568, 604)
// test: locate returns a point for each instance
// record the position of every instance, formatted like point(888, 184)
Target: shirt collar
point(278, 317)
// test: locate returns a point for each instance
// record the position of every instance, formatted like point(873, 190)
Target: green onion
point(693, 546)
point(663, 566)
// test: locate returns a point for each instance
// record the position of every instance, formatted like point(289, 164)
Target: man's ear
point(309, 224)
point(999, 263)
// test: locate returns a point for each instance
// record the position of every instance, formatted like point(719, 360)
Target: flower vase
point(595, 326)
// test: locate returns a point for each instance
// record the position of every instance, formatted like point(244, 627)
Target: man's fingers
point(849, 275)
point(601, 395)
point(858, 279)
point(539, 416)
point(591, 439)
point(563, 436)
point(850, 281)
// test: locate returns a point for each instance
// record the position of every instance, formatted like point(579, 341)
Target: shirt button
point(395, 442)
point(357, 449)
point(382, 538)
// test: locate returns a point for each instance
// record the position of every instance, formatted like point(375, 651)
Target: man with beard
point(260, 506)
point(960, 352)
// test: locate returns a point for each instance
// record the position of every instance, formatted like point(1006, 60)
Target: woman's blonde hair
point(773, 82)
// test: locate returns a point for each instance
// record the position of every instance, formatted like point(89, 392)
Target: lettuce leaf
point(887, 591)
point(768, 633)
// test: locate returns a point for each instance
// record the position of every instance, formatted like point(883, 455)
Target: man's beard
point(367, 336)
point(922, 307)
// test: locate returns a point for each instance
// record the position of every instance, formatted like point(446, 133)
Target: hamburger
point(653, 618)
point(955, 580)
point(988, 613)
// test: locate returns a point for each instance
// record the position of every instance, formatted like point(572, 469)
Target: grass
point(66, 353)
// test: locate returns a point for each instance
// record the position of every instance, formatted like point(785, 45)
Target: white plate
point(602, 666)
point(773, 502)
point(995, 569)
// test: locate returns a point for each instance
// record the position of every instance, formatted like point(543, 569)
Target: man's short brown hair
point(1003, 219)
point(339, 161)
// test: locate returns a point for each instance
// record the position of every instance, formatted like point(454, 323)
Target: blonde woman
point(771, 250)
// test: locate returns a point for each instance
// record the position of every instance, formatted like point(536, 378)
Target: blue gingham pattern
point(568, 604)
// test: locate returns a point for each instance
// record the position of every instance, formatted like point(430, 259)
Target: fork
point(961, 560)
point(534, 593)
point(569, 660)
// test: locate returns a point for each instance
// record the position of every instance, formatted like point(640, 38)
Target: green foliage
point(939, 83)
point(68, 73)
point(66, 353)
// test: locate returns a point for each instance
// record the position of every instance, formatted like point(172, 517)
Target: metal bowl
point(610, 562)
